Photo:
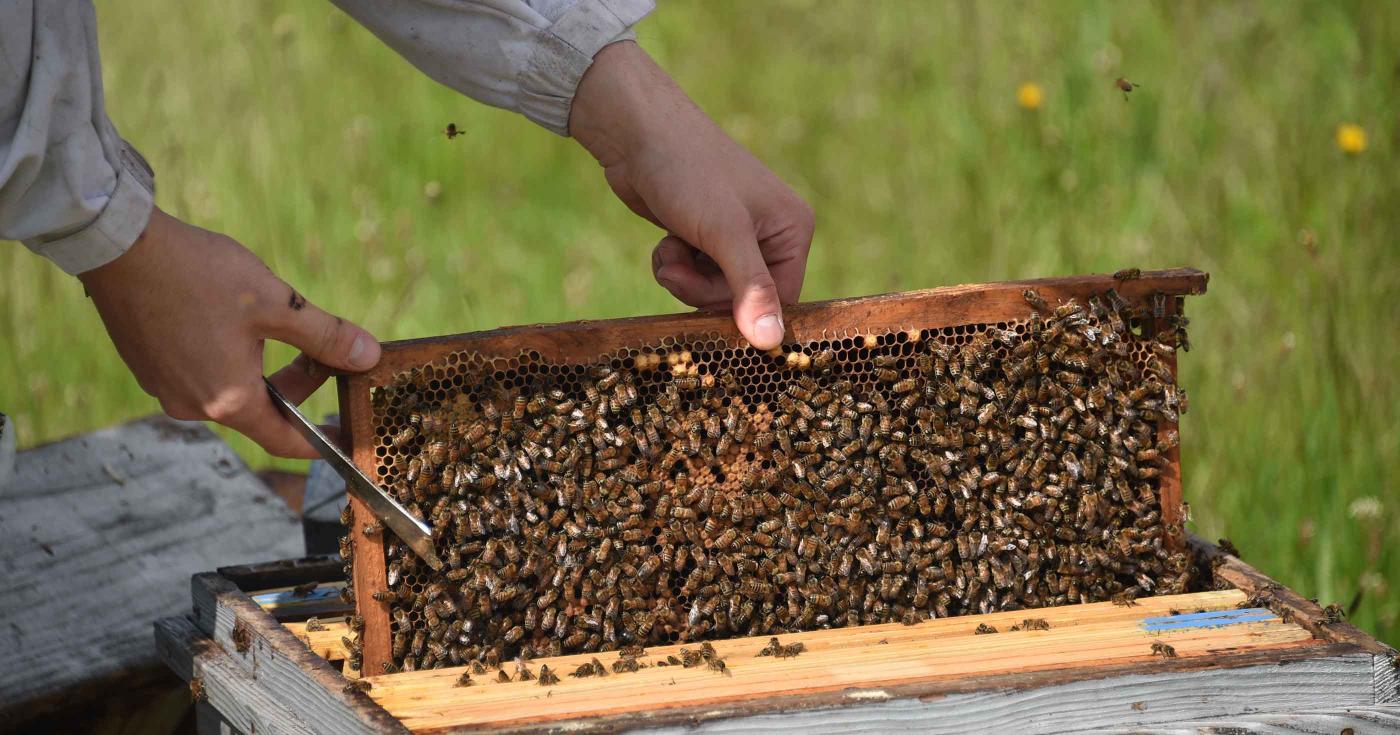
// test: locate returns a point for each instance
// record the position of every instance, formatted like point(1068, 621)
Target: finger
point(324, 337)
point(251, 412)
point(787, 248)
point(757, 310)
point(299, 378)
point(679, 269)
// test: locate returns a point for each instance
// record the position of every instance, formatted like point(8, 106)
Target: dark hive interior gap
point(696, 488)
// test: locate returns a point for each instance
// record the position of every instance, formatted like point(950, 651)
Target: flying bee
point(452, 131)
point(1125, 86)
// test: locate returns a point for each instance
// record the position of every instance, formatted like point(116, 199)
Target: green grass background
point(289, 127)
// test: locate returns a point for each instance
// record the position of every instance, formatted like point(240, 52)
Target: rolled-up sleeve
point(70, 188)
point(522, 55)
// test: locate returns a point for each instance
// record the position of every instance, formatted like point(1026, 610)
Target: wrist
point(623, 100)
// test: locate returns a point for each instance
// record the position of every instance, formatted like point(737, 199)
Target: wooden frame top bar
point(931, 308)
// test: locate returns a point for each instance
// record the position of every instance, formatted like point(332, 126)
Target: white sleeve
point(521, 55)
point(70, 188)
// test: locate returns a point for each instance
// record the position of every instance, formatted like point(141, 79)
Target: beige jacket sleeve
point(521, 55)
point(73, 191)
point(70, 188)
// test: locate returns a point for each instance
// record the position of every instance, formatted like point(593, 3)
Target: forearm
point(521, 55)
point(70, 188)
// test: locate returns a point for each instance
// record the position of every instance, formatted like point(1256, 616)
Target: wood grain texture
point(1289, 604)
point(108, 526)
point(1386, 668)
point(235, 693)
point(585, 341)
point(1131, 703)
point(326, 642)
point(284, 667)
point(368, 563)
point(1374, 719)
point(868, 658)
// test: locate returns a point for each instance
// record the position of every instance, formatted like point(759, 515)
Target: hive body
point(686, 486)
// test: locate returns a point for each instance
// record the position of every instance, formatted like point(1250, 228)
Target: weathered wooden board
point(287, 671)
point(1128, 702)
point(107, 527)
point(1376, 719)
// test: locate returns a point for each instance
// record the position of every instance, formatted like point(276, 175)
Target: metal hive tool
point(716, 533)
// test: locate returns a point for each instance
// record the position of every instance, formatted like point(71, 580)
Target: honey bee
point(354, 685)
point(452, 131)
point(465, 680)
point(547, 677)
point(984, 629)
point(1034, 299)
point(1125, 86)
point(1163, 649)
point(1127, 274)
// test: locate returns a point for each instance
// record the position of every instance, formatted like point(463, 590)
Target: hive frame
point(585, 341)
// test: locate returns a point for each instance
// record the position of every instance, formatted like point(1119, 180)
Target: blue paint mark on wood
point(286, 597)
point(1214, 619)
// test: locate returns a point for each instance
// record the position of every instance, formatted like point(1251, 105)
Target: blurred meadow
point(940, 143)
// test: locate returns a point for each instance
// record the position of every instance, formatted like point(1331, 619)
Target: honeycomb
point(696, 487)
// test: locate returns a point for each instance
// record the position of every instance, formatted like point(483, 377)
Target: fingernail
point(768, 330)
point(663, 277)
point(360, 357)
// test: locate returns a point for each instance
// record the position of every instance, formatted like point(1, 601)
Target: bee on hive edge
point(1035, 300)
point(1127, 274)
point(1163, 649)
point(984, 629)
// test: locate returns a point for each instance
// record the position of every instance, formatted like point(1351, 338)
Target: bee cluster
point(699, 489)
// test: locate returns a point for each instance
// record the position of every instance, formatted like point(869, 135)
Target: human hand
point(737, 234)
point(189, 310)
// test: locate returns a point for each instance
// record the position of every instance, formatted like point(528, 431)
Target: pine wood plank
point(325, 643)
point(1100, 635)
point(895, 634)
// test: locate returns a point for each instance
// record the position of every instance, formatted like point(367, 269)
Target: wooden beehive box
point(854, 330)
point(1240, 651)
point(1254, 656)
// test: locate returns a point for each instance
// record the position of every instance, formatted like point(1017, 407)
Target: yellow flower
point(1351, 138)
point(1029, 96)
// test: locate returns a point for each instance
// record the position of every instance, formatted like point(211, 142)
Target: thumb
point(757, 310)
point(326, 338)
